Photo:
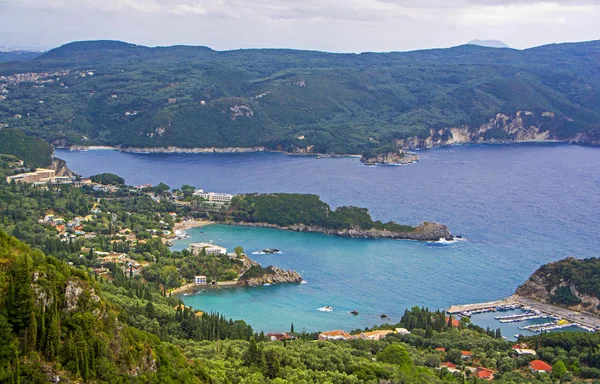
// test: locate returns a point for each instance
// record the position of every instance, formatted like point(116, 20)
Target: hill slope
point(570, 283)
point(115, 93)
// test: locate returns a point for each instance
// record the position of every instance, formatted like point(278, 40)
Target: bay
point(518, 206)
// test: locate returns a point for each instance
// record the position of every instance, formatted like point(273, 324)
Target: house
point(201, 280)
point(374, 335)
point(450, 367)
point(521, 349)
point(100, 271)
point(465, 355)
point(335, 335)
point(171, 100)
point(278, 336)
point(402, 331)
point(484, 373)
point(441, 349)
point(455, 322)
point(209, 249)
point(538, 366)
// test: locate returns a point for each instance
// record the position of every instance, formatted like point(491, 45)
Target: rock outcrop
point(60, 168)
point(394, 157)
point(523, 126)
point(426, 231)
point(273, 275)
point(545, 284)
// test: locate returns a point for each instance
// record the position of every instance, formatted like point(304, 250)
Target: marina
point(536, 316)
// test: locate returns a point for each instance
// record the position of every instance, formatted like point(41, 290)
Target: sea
point(517, 207)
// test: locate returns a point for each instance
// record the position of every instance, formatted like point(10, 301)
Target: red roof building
point(441, 349)
point(484, 373)
point(540, 366)
point(465, 354)
point(455, 323)
point(448, 365)
point(278, 336)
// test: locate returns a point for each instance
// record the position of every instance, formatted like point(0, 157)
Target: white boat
point(326, 308)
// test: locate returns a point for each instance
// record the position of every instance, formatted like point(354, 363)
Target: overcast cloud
point(331, 25)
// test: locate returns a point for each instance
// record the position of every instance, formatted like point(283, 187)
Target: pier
point(563, 318)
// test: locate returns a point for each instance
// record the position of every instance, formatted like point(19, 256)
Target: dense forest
point(33, 151)
point(114, 93)
point(287, 209)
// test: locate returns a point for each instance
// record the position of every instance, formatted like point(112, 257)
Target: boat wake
point(304, 282)
point(326, 308)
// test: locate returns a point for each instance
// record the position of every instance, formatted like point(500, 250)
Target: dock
point(479, 307)
point(562, 317)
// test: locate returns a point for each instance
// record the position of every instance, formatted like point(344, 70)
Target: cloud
point(522, 12)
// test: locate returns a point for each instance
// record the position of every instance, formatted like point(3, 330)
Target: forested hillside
point(33, 151)
point(570, 282)
point(114, 93)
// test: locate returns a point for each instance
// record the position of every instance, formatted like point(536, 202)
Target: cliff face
point(60, 167)
point(523, 126)
point(394, 157)
point(553, 281)
point(426, 231)
point(277, 276)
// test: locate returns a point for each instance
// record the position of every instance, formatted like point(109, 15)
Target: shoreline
point(187, 224)
point(423, 232)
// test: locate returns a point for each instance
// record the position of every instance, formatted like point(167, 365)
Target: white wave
point(304, 282)
point(443, 241)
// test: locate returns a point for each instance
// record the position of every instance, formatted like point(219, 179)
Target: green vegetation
point(561, 282)
point(108, 179)
point(286, 99)
point(33, 151)
point(285, 210)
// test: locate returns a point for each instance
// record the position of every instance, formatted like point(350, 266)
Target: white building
point(214, 197)
point(201, 280)
point(209, 249)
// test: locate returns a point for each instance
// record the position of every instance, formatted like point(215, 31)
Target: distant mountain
point(9, 55)
point(117, 93)
point(489, 43)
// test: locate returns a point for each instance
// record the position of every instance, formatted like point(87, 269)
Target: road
point(573, 316)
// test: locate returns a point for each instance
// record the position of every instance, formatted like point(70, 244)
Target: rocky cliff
point(273, 275)
point(426, 231)
point(60, 167)
point(570, 283)
point(523, 126)
point(393, 157)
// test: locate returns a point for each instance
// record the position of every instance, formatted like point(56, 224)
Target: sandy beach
point(187, 224)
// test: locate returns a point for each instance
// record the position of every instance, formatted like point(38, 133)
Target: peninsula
point(307, 213)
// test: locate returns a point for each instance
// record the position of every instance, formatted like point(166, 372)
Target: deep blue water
point(519, 206)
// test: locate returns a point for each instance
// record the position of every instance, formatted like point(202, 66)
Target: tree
point(188, 190)
point(32, 333)
point(161, 189)
point(292, 328)
point(394, 354)
point(239, 251)
point(559, 370)
point(8, 347)
point(454, 356)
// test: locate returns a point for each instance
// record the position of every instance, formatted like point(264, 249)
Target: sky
point(327, 25)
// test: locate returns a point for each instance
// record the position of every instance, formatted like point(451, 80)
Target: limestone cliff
point(393, 157)
point(60, 167)
point(522, 126)
point(272, 275)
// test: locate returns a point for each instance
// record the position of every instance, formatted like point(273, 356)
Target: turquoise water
point(519, 206)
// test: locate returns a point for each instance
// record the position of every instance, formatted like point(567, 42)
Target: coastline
point(426, 231)
point(187, 224)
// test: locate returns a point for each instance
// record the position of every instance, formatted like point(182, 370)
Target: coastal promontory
point(307, 213)
point(570, 283)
